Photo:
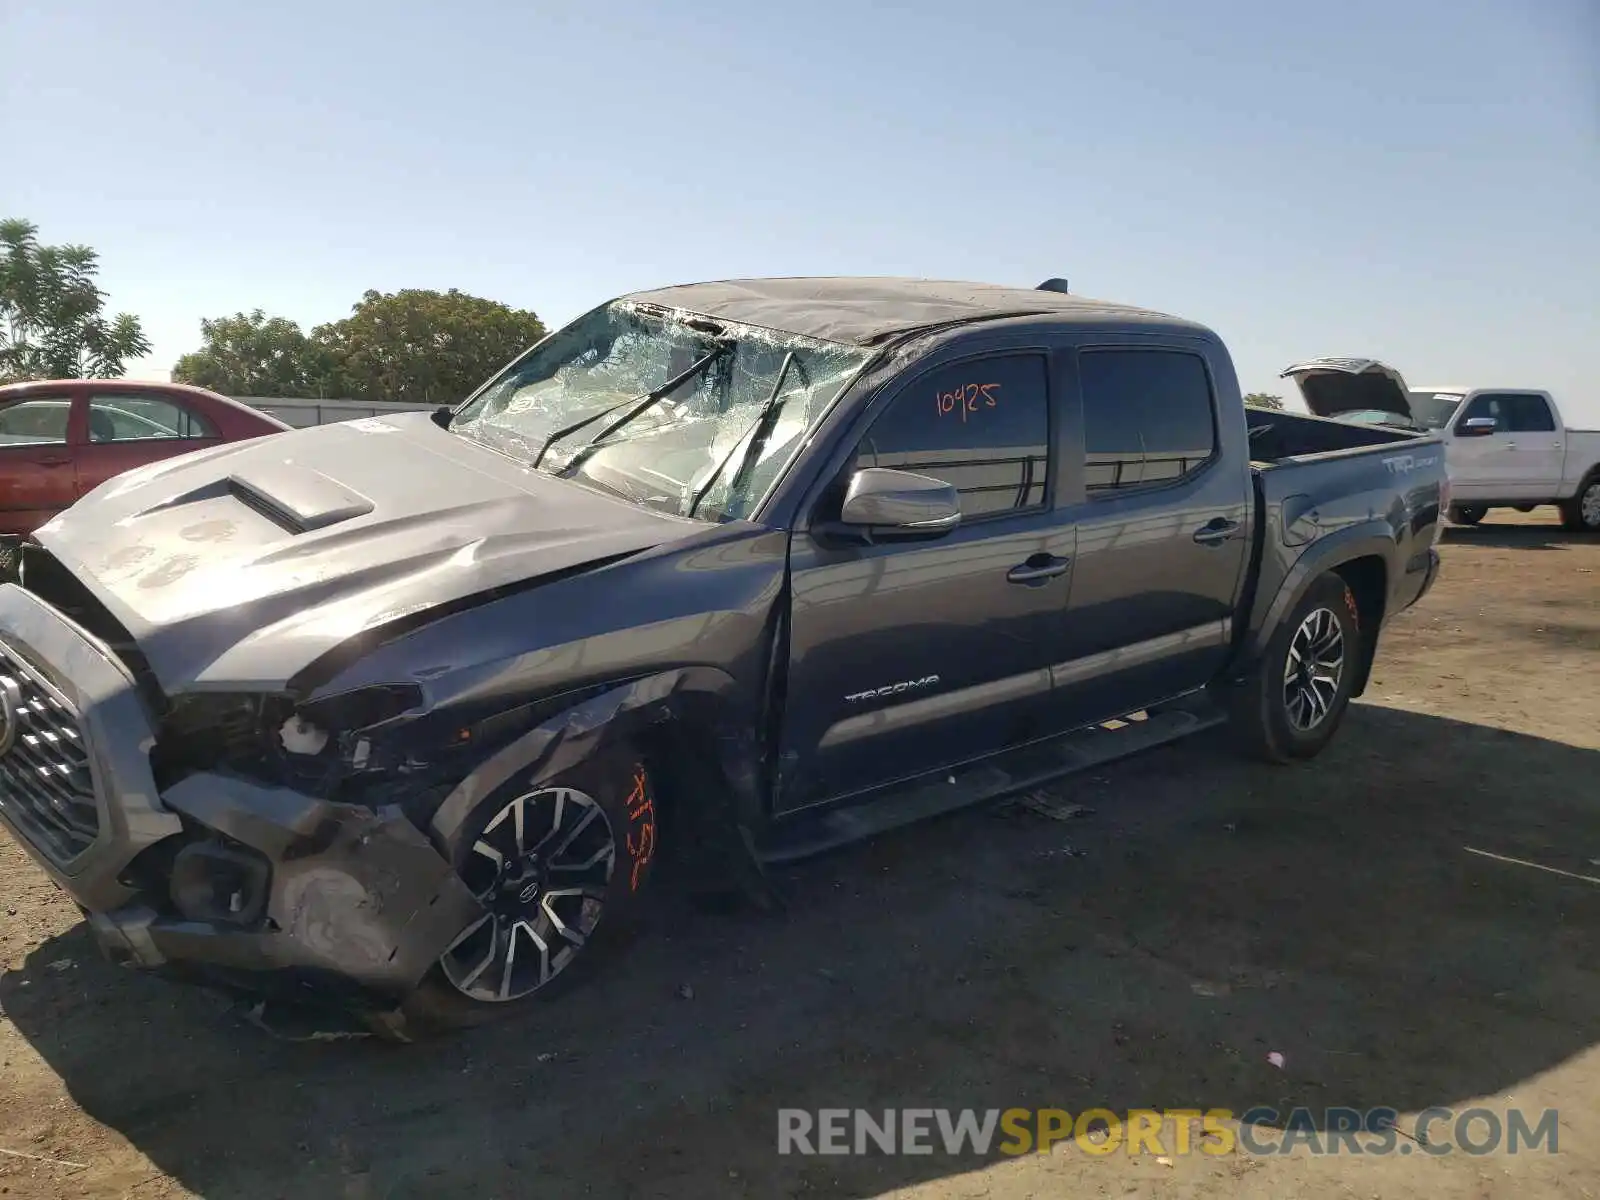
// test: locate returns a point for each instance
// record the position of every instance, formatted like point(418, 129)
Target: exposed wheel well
point(1368, 581)
point(694, 796)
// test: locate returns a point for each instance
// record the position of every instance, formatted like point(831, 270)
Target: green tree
point(1263, 400)
point(52, 316)
point(423, 347)
point(252, 354)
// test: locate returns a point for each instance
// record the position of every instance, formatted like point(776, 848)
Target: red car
point(61, 438)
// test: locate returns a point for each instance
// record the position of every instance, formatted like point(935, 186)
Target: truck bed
point(1318, 479)
point(1276, 436)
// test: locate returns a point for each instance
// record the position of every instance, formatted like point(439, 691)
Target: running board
point(805, 835)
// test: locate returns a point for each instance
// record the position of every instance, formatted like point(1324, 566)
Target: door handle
point(1511, 445)
point(1216, 531)
point(1039, 568)
point(54, 462)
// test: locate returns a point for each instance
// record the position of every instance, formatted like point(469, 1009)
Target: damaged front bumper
point(217, 877)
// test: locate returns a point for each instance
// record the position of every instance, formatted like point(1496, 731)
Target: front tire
point(1581, 514)
point(560, 866)
point(1291, 703)
point(1467, 514)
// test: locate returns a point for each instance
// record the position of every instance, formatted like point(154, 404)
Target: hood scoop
point(296, 498)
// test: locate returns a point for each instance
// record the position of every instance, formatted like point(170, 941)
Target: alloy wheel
point(540, 868)
point(1315, 666)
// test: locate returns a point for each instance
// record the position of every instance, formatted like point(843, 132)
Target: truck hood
point(1332, 386)
point(234, 568)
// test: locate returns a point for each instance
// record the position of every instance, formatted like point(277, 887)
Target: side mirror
point(1477, 427)
point(899, 505)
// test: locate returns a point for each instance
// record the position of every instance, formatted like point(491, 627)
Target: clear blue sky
point(1417, 180)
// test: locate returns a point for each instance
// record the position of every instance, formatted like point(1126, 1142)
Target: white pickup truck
point(1504, 447)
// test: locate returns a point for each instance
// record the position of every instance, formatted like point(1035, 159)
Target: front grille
point(46, 790)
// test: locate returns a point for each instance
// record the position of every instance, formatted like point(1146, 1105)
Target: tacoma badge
point(893, 689)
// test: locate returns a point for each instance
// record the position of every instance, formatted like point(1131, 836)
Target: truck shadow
point(1209, 912)
point(1515, 536)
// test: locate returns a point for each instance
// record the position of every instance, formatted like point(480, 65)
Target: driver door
point(907, 657)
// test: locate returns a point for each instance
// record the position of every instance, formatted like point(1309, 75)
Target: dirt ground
point(1333, 912)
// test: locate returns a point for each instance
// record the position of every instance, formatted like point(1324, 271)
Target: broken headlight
point(316, 747)
point(325, 744)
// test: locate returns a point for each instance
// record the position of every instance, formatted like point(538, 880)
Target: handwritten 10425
point(967, 399)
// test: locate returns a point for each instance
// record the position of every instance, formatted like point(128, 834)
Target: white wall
point(303, 412)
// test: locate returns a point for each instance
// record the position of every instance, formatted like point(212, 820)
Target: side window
point(35, 423)
point(1489, 405)
point(133, 418)
point(1148, 418)
point(1530, 414)
point(982, 425)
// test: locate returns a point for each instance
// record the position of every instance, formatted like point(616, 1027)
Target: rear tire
point(1467, 514)
point(555, 911)
point(1291, 703)
point(1581, 514)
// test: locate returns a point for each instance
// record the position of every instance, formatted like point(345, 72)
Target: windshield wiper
point(644, 404)
point(575, 426)
point(765, 420)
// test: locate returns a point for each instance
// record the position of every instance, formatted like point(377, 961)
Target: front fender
point(697, 698)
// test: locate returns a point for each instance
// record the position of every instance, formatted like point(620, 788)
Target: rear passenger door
point(129, 429)
point(1163, 533)
point(907, 657)
point(1535, 450)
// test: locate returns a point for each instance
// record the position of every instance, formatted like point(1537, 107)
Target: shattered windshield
point(680, 413)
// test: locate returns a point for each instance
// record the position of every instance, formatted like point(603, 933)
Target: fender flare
point(624, 712)
point(1373, 538)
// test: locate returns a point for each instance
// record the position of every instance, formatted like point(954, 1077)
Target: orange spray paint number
point(967, 399)
point(641, 837)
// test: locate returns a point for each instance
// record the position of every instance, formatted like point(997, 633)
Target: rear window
point(137, 417)
point(1148, 418)
point(1529, 413)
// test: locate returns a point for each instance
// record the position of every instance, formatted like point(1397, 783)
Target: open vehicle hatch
point(1333, 387)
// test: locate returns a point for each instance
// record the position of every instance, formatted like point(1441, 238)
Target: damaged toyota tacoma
point(404, 712)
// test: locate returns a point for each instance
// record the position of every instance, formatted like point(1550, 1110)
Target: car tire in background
point(1467, 514)
point(1291, 703)
point(561, 866)
point(1581, 514)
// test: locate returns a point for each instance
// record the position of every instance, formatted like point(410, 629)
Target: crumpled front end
point(178, 859)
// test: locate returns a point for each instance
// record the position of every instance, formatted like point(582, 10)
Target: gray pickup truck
point(404, 712)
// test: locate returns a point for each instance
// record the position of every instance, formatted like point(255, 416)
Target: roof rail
point(1052, 285)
